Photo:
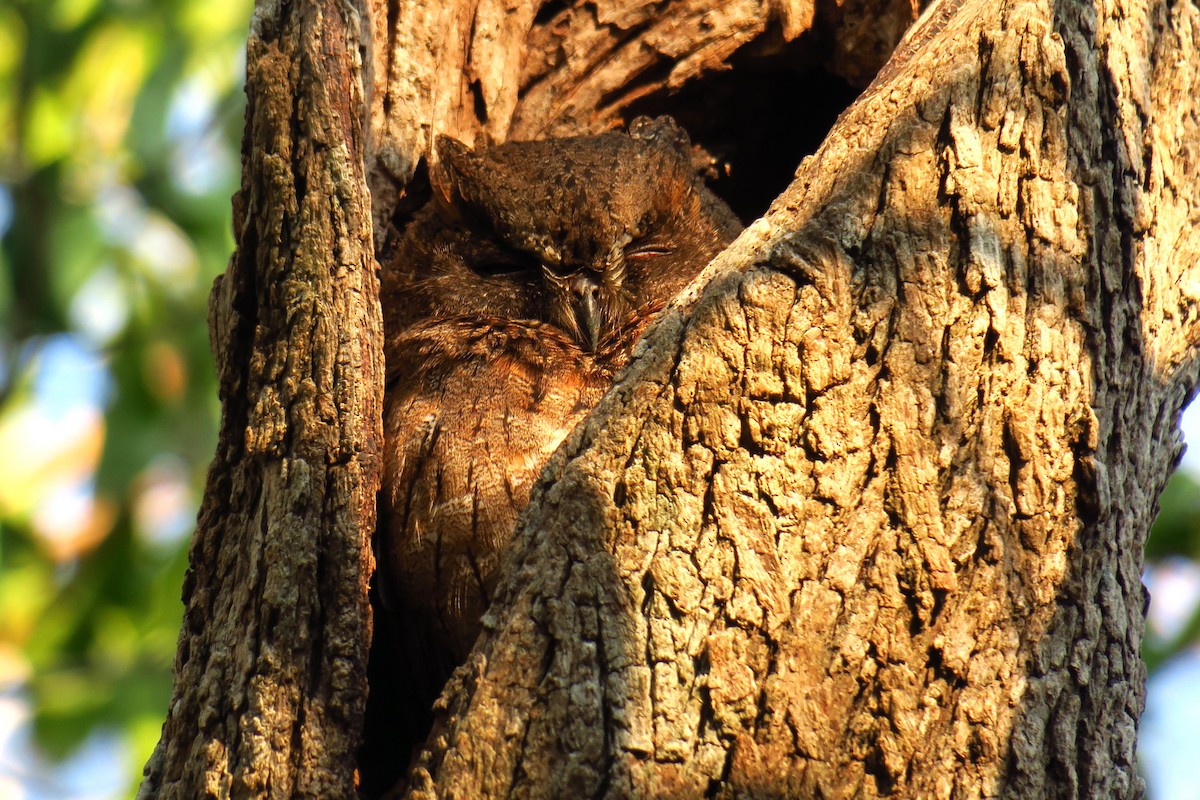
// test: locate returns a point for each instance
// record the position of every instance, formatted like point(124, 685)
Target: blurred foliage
point(119, 130)
point(1174, 549)
point(1176, 532)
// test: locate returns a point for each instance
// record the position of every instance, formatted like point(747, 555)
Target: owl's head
point(594, 228)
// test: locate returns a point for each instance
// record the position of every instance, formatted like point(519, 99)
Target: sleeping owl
point(509, 304)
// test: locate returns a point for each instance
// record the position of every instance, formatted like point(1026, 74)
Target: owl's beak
point(589, 316)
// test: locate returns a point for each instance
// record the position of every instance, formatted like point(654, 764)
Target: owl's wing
point(475, 408)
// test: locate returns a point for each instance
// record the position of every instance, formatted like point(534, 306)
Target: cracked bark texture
point(864, 517)
point(270, 671)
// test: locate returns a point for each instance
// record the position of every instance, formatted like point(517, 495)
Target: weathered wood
point(500, 70)
point(270, 672)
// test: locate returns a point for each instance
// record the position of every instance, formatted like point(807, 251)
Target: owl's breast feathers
point(474, 408)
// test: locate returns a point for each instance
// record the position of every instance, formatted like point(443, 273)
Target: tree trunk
point(863, 518)
point(270, 670)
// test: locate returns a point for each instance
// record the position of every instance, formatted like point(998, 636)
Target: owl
point(510, 301)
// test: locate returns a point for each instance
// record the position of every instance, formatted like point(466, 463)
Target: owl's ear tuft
point(472, 183)
point(661, 130)
point(453, 154)
point(666, 133)
point(450, 159)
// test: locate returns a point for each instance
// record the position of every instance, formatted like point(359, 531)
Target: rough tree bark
point(271, 665)
point(864, 516)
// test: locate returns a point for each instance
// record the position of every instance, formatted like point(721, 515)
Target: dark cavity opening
point(758, 119)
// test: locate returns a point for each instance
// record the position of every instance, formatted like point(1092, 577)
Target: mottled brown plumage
point(509, 304)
